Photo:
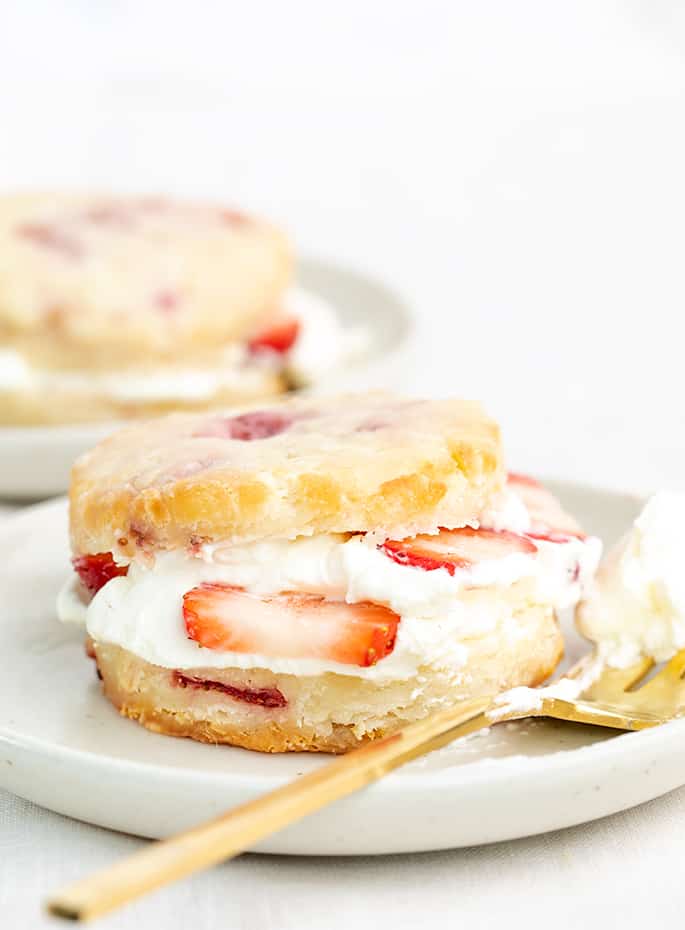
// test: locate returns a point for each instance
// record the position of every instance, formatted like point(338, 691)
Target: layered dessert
point(317, 573)
point(121, 307)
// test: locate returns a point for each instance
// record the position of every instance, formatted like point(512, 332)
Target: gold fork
point(604, 699)
point(610, 697)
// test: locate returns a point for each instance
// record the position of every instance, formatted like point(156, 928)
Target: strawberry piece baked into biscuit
point(317, 573)
point(121, 307)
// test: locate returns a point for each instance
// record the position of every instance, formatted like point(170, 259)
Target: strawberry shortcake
point(118, 307)
point(314, 574)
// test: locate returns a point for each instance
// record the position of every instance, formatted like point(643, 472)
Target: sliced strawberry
point(279, 337)
point(51, 238)
point(515, 478)
point(96, 570)
point(549, 520)
point(288, 626)
point(166, 301)
point(259, 424)
point(265, 697)
point(233, 217)
point(453, 549)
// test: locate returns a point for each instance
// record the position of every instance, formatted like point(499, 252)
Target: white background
point(515, 170)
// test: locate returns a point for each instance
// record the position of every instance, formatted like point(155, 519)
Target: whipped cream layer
point(322, 345)
point(142, 612)
point(637, 604)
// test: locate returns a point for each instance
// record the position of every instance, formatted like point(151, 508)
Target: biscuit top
point(355, 463)
point(86, 280)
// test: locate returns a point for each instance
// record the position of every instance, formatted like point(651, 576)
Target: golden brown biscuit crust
point(90, 281)
point(356, 463)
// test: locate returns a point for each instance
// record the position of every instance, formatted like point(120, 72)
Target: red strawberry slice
point(51, 238)
point(453, 549)
point(279, 337)
point(259, 424)
point(166, 301)
point(265, 697)
point(516, 478)
point(233, 217)
point(288, 626)
point(115, 215)
point(549, 520)
point(96, 570)
point(545, 534)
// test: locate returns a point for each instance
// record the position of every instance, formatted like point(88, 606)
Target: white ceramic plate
point(36, 460)
point(64, 747)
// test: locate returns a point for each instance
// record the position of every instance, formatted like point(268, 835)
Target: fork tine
point(617, 680)
point(670, 675)
point(675, 667)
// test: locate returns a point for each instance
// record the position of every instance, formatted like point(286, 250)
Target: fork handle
point(240, 828)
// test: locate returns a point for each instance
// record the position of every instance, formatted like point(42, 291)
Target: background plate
point(64, 747)
point(36, 460)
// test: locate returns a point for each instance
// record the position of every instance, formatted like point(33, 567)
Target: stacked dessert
point(119, 307)
point(314, 574)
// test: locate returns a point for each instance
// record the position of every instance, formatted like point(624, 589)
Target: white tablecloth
point(625, 870)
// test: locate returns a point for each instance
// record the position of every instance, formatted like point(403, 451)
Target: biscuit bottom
point(258, 709)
